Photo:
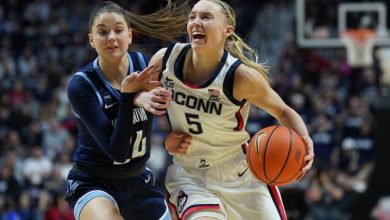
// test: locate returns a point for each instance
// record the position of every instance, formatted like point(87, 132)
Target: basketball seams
point(287, 157)
point(265, 153)
point(296, 175)
point(258, 136)
point(250, 161)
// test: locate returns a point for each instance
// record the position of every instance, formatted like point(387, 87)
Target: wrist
point(136, 101)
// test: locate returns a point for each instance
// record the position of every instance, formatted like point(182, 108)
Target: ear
point(91, 40)
point(130, 35)
point(229, 30)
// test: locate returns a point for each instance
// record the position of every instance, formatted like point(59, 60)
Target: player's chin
point(115, 54)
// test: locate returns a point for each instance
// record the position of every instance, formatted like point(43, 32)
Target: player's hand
point(155, 101)
point(309, 158)
point(177, 143)
point(143, 81)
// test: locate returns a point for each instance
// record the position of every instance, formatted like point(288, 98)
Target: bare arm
point(250, 85)
point(157, 58)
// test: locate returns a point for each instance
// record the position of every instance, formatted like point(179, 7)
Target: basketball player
point(109, 179)
point(212, 84)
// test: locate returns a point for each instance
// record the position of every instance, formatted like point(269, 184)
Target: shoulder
point(247, 74)
point(82, 81)
point(247, 80)
point(157, 58)
point(165, 52)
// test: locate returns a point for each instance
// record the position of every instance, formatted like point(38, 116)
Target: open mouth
point(198, 36)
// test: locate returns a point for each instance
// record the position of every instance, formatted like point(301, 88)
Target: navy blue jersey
point(114, 135)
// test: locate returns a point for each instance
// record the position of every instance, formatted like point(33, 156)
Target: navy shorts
point(136, 196)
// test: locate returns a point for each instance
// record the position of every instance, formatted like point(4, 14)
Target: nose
point(196, 20)
point(111, 36)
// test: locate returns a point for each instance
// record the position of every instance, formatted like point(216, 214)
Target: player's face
point(207, 25)
point(110, 35)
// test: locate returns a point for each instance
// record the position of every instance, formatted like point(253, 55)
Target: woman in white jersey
point(212, 85)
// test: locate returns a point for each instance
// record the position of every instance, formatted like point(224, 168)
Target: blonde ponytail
point(237, 47)
point(166, 24)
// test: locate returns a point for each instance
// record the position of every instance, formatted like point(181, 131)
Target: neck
point(115, 72)
point(199, 67)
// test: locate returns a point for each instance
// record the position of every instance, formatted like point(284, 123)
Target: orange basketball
point(276, 155)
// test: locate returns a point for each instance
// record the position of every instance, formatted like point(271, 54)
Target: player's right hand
point(177, 143)
point(144, 81)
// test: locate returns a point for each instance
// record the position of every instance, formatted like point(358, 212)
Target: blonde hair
point(167, 23)
point(236, 46)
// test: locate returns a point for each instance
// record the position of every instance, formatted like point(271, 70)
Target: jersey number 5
point(192, 120)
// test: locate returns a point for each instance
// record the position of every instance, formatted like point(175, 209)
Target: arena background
point(345, 103)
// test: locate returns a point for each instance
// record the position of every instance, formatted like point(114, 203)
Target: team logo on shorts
point(203, 163)
point(71, 186)
point(181, 201)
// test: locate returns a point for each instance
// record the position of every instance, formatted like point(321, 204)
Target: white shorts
point(225, 191)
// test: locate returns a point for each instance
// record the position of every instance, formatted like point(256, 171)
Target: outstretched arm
point(251, 86)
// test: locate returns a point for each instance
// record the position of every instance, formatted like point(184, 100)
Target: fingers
point(308, 166)
point(161, 91)
point(187, 138)
point(176, 134)
point(154, 83)
point(160, 105)
point(149, 71)
point(309, 158)
point(155, 111)
point(178, 143)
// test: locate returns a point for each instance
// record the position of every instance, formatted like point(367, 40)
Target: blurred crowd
point(43, 42)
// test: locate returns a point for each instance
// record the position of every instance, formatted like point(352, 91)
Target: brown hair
point(236, 46)
point(165, 24)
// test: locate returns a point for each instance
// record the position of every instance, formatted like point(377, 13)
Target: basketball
point(276, 155)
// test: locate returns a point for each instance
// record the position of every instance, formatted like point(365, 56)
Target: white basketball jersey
point(208, 112)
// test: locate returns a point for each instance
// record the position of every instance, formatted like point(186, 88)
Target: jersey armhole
point(229, 83)
point(166, 56)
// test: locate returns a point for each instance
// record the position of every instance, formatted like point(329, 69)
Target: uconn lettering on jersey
point(193, 102)
point(210, 105)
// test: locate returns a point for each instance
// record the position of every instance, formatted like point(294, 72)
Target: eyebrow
point(117, 23)
point(202, 12)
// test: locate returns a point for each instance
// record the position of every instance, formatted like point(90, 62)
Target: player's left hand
point(155, 101)
point(309, 158)
point(146, 80)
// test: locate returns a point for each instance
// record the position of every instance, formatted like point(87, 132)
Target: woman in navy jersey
point(213, 81)
point(109, 179)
